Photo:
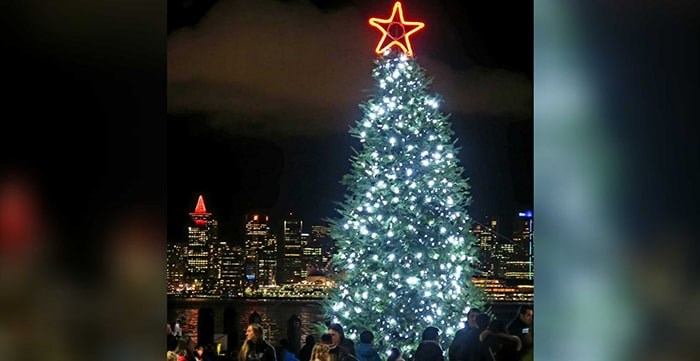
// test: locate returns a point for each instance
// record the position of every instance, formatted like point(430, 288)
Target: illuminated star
point(395, 31)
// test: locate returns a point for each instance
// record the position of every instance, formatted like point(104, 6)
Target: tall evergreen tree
point(405, 253)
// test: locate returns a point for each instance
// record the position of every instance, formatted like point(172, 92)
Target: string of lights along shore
point(406, 256)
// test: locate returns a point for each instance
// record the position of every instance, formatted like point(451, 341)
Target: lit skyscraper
point(487, 242)
point(305, 239)
point(505, 263)
point(267, 261)
point(322, 235)
point(176, 267)
point(520, 264)
point(312, 252)
point(292, 250)
point(231, 269)
point(202, 269)
point(257, 241)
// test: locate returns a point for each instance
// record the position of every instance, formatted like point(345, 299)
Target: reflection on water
point(273, 313)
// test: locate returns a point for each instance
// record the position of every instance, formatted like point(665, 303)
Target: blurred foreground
point(82, 184)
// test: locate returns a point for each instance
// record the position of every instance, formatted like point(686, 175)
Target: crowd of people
point(482, 339)
point(492, 340)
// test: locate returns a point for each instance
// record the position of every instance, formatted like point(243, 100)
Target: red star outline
point(383, 26)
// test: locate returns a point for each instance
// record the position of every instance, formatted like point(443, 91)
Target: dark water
point(274, 314)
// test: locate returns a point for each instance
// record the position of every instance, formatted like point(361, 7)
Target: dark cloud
point(289, 67)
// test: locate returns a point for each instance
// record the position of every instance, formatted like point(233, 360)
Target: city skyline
point(290, 264)
point(278, 225)
point(206, 265)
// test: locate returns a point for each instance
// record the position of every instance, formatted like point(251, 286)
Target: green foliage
point(404, 247)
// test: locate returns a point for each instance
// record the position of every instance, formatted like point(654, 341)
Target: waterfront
point(274, 314)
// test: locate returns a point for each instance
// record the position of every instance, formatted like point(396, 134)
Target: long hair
point(258, 332)
point(182, 347)
point(320, 352)
point(339, 329)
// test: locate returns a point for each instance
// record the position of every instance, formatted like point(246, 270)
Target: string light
point(402, 234)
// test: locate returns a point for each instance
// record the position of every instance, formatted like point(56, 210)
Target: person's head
point(498, 326)
point(431, 333)
point(337, 333)
point(172, 356)
point(471, 317)
point(482, 321)
point(310, 339)
point(321, 352)
point(181, 348)
point(199, 349)
point(254, 332)
point(366, 337)
point(327, 339)
point(525, 313)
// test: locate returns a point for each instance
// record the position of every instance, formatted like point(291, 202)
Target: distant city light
point(526, 214)
point(195, 257)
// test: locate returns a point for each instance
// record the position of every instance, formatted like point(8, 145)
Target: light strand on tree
point(404, 248)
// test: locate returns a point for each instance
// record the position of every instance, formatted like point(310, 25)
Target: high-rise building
point(292, 249)
point(312, 253)
point(232, 260)
point(176, 267)
point(267, 261)
point(257, 241)
point(322, 236)
point(486, 235)
point(305, 238)
point(202, 269)
point(506, 264)
point(520, 264)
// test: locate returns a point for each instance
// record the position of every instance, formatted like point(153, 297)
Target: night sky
point(261, 95)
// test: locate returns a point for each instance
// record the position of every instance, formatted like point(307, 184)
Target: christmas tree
point(404, 247)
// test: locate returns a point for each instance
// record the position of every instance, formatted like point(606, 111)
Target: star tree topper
point(395, 31)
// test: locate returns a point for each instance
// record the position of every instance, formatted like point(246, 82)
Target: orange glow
point(255, 217)
point(395, 31)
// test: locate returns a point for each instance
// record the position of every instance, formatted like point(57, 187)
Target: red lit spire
point(200, 208)
point(200, 214)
